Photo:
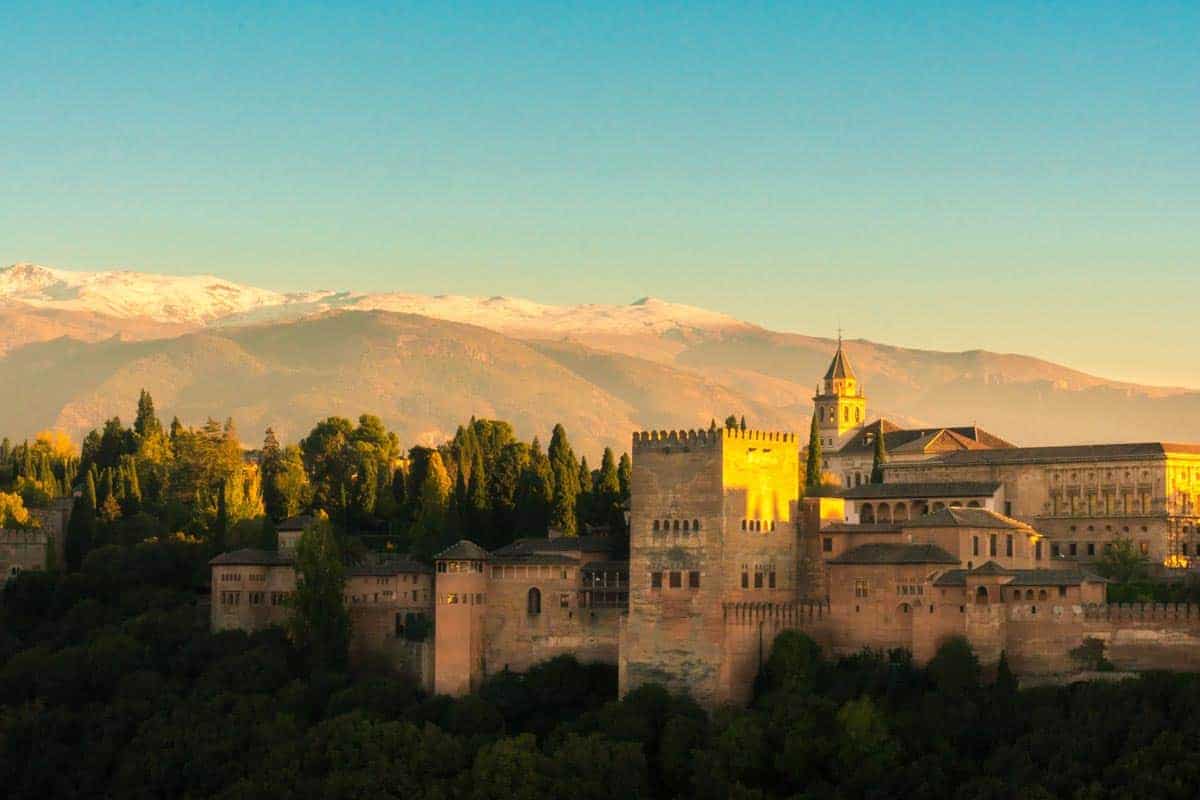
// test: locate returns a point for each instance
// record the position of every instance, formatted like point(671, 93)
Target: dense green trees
point(320, 623)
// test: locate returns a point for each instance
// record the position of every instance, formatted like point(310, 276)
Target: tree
point(146, 424)
point(881, 457)
point(742, 422)
point(625, 477)
point(536, 493)
point(320, 623)
point(1006, 682)
point(13, 513)
point(565, 470)
point(731, 422)
point(812, 467)
point(955, 667)
point(608, 493)
point(430, 527)
point(795, 663)
point(477, 517)
point(1124, 564)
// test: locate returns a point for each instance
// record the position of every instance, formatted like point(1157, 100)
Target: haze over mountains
point(75, 347)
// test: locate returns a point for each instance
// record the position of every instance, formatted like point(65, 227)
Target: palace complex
point(966, 534)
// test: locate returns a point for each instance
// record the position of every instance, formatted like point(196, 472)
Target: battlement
point(782, 613)
point(702, 437)
point(1188, 613)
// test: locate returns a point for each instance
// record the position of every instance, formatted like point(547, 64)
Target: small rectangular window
point(1037, 551)
point(1144, 548)
point(827, 544)
point(1008, 546)
point(693, 580)
point(992, 545)
point(974, 545)
point(745, 580)
point(676, 580)
point(1091, 548)
point(564, 600)
point(1062, 591)
point(1073, 548)
point(1055, 552)
point(655, 580)
point(770, 580)
point(758, 580)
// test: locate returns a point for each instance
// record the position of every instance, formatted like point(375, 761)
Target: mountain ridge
point(610, 369)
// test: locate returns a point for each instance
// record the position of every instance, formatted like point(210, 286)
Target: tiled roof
point(611, 566)
point(956, 517)
point(251, 557)
point(390, 566)
point(895, 553)
point(1023, 577)
point(559, 544)
point(881, 491)
point(533, 558)
point(863, 527)
point(899, 441)
point(840, 366)
point(1066, 453)
point(462, 550)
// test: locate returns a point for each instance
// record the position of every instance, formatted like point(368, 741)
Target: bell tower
point(839, 404)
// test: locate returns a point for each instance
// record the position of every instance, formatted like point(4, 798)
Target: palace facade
point(966, 535)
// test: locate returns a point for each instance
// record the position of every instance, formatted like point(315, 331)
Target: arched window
point(534, 601)
point(867, 514)
point(1041, 594)
point(858, 479)
point(981, 596)
point(695, 524)
point(858, 415)
point(655, 524)
point(904, 609)
point(846, 413)
point(1029, 594)
point(900, 513)
point(685, 526)
point(676, 524)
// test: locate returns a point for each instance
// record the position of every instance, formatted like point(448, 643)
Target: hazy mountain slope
point(609, 368)
point(422, 376)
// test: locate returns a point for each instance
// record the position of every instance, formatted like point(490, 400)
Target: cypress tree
point(478, 516)
point(625, 476)
point(535, 493)
point(812, 473)
point(566, 482)
point(585, 501)
point(743, 422)
point(881, 457)
point(146, 424)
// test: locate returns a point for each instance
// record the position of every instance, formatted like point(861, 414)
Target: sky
point(1020, 177)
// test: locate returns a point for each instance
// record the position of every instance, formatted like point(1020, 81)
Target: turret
point(461, 585)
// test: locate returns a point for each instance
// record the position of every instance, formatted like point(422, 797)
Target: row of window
point(385, 596)
point(532, 571)
point(460, 566)
point(1073, 548)
point(676, 525)
point(845, 414)
point(758, 579)
point(463, 599)
point(1008, 546)
point(386, 580)
point(675, 580)
point(758, 525)
point(254, 598)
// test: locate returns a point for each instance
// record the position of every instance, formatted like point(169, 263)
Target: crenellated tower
point(839, 404)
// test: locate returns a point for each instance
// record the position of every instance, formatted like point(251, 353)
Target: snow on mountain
point(208, 300)
point(125, 294)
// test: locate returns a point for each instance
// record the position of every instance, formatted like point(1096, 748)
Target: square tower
point(712, 522)
point(839, 404)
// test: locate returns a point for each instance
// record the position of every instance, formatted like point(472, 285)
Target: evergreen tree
point(1006, 682)
point(731, 422)
point(429, 530)
point(535, 494)
point(320, 623)
point(608, 493)
point(146, 424)
point(585, 502)
point(478, 517)
point(742, 425)
point(625, 477)
point(881, 457)
point(812, 467)
point(565, 470)
point(81, 528)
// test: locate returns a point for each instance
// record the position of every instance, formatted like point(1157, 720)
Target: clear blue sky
point(1019, 176)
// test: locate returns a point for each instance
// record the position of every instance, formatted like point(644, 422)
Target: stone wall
point(515, 639)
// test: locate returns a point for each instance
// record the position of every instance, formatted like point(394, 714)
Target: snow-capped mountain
point(127, 295)
point(208, 300)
